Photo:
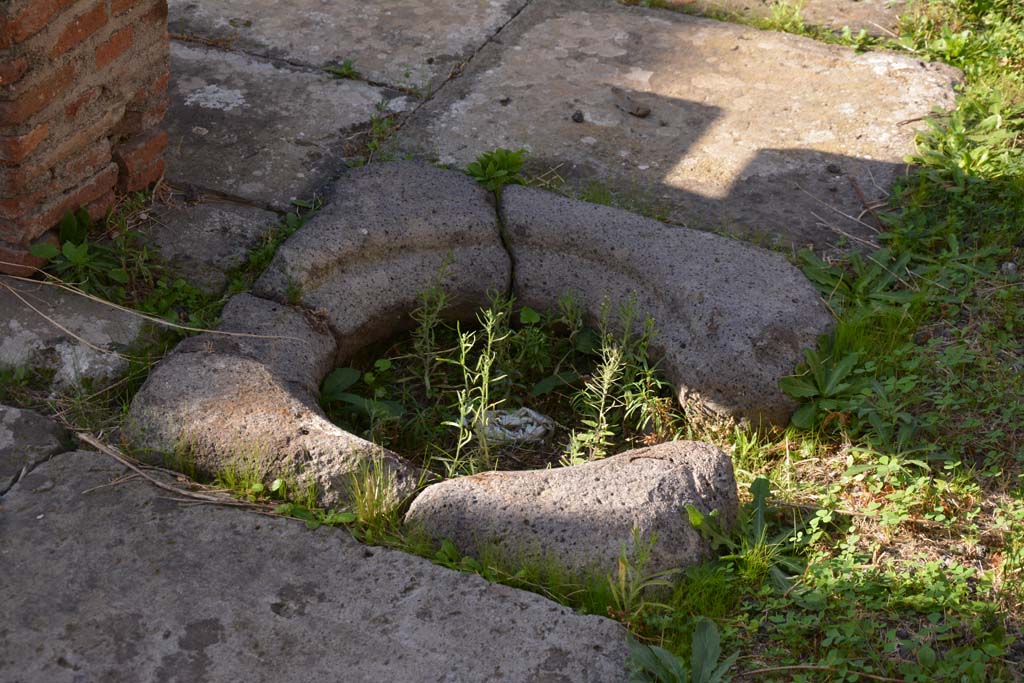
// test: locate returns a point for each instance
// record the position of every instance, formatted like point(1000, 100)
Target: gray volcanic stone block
point(27, 439)
point(732, 318)
point(120, 584)
point(406, 43)
point(751, 132)
point(252, 129)
point(382, 240)
point(581, 516)
point(252, 402)
point(202, 242)
point(877, 17)
point(28, 339)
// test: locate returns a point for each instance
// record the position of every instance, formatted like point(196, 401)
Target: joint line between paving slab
point(27, 470)
point(280, 62)
point(199, 194)
point(465, 63)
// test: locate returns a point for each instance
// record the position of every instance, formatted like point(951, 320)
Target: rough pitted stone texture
point(27, 339)
point(26, 439)
point(877, 17)
point(752, 132)
point(732, 318)
point(404, 43)
point(581, 516)
point(248, 128)
point(202, 242)
point(250, 402)
point(382, 240)
point(120, 584)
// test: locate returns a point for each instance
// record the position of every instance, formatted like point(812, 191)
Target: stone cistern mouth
point(732, 321)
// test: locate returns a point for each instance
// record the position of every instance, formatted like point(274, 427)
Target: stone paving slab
point(201, 242)
point(26, 439)
point(877, 17)
point(748, 131)
point(411, 44)
point(263, 132)
point(119, 583)
point(27, 339)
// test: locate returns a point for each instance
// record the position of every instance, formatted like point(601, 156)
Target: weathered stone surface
point(201, 242)
point(382, 240)
point(877, 17)
point(118, 583)
point(236, 401)
point(29, 339)
point(581, 516)
point(732, 318)
point(26, 439)
point(749, 131)
point(405, 43)
point(252, 129)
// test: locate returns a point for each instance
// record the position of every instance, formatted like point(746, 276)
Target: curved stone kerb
point(732, 318)
point(386, 236)
point(580, 517)
point(251, 402)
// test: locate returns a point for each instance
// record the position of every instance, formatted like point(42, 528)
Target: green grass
point(910, 449)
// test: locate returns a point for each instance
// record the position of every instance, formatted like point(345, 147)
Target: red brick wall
point(83, 90)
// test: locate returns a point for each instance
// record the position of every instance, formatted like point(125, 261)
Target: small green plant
point(867, 281)
point(93, 267)
point(498, 168)
point(346, 69)
point(596, 401)
point(633, 585)
point(111, 261)
point(374, 504)
point(475, 400)
point(427, 316)
point(826, 384)
point(334, 390)
point(752, 553)
point(653, 664)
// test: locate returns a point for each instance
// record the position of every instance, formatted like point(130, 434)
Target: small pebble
point(577, 116)
point(1008, 268)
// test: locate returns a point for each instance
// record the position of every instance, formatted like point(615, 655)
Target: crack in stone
point(28, 469)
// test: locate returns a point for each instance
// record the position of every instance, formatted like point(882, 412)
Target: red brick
point(118, 7)
point(138, 153)
point(35, 175)
point(143, 178)
point(17, 180)
point(81, 28)
point(74, 107)
point(17, 260)
point(146, 94)
point(156, 16)
point(36, 97)
point(20, 206)
point(12, 71)
point(30, 21)
point(135, 123)
point(15, 149)
point(85, 164)
point(99, 208)
point(114, 47)
point(30, 226)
